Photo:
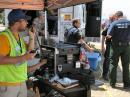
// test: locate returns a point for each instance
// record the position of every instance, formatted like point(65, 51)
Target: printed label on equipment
point(78, 64)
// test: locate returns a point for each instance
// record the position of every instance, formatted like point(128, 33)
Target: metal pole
point(46, 26)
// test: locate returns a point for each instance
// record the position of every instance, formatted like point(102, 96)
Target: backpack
point(72, 35)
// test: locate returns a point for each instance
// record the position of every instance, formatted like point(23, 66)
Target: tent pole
point(46, 24)
point(46, 27)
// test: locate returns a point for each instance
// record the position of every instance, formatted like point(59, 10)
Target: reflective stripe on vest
point(13, 73)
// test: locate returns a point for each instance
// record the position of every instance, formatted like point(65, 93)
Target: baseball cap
point(17, 14)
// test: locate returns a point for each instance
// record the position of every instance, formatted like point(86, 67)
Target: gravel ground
point(107, 91)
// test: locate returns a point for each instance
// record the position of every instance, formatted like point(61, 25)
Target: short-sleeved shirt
point(4, 45)
point(5, 51)
point(104, 33)
point(105, 30)
point(72, 35)
point(120, 30)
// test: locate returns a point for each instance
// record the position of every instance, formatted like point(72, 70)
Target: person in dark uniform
point(106, 51)
point(72, 35)
point(119, 31)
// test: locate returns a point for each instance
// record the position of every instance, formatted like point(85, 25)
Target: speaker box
point(93, 19)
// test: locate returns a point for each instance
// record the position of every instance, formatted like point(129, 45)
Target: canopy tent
point(54, 4)
point(39, 4)
point(22, 4)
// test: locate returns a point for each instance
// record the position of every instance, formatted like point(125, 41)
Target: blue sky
point(111, 6)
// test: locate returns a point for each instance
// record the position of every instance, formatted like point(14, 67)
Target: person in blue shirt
point(73, 35)
point(106, 49)
point(119, 32)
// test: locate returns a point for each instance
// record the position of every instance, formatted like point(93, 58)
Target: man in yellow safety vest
point(14, 55)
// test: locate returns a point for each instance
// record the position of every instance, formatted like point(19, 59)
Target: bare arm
point(34, 67)
point(86, 45)
point(14, 60)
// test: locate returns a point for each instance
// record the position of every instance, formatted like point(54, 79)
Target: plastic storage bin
point(93, 59)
